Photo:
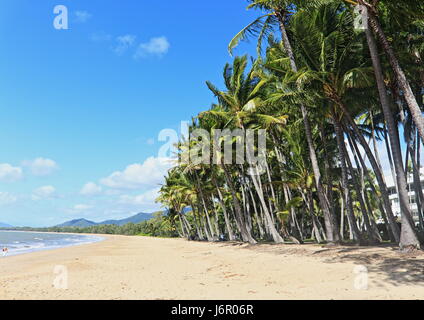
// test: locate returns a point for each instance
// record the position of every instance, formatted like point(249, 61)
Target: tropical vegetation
point(158, 226)
point(327, 92)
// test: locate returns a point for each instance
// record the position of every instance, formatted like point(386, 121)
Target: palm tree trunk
point(187, 225)
point(408, 236)
point(257, 217)
point(378, 173)
point(374, 143)
point(342, 214)
point(246, 209)
point(389, 219)
point(298, 237)
point(271, 187)
point(377, 158)
point(360, 195)
point(417, 185)
point(389, 156)
point(418, 166)
point(205, 208)
point(345, 182)
point(329, 219)
point(359, 184)
point(224, 210)
point(407, 153)
point(308, 199)
point(274, 233)
point(328, 177)
point(198, 222)
point(216, 218)
point(205, 229)
point(245, 234)
point(183, 227)
point(208, 220)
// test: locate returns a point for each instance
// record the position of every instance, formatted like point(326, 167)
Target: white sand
point(148, 268)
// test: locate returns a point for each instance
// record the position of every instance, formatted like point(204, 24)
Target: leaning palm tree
point(333, 60)
point(278, 13)
point(322, 93)
point(408, 237)
point(237, 105)
point(406, 9)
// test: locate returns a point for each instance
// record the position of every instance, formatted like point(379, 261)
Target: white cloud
point(144, 199)
point(7, 198)
point(150, 173)
point(46, 192)
point(124, 43)
point(82, 207)
point(8, 173)
point(91, 189)
point(41, 167)
point(154, 47)
point(82, 16)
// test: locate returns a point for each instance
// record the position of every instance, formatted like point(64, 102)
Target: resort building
point(394, 198)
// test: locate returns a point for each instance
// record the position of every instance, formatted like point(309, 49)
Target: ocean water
point(24, 242)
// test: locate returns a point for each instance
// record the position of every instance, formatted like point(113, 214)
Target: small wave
point(49, 242)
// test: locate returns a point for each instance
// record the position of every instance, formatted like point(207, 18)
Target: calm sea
point(24, 242)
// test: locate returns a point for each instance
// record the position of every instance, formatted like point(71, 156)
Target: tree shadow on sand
point(386, 261)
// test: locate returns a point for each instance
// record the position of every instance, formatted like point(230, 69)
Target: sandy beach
point(148, 268)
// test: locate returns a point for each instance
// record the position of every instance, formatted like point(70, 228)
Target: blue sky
point(81, 109)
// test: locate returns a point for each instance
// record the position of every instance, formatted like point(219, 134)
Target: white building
point(394, 198)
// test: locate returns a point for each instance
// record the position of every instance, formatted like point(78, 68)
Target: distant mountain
point(134, 219)
point(5, 225)
point(82, 223)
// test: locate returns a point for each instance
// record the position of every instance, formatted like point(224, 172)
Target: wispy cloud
point(124, 43)
point(41, 166)
point(154, 47)
point(82, 207)
point(144, 199)
point(100, 37)
point(7, 198)
point(46, 192)
point(9, 173)
point(91, 189)
point(82, 16)
point(150, 173)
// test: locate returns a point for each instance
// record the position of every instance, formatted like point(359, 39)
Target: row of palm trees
point(326, 93)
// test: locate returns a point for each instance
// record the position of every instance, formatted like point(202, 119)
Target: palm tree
point(406, 10)
point(241, 97)
point(408, 237)
point(278, 12)
point(321, 93)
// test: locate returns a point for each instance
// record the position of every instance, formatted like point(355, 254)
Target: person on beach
point(5, 251)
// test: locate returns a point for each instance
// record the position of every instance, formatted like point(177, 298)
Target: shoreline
point(90, 238)
point(123, 267)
